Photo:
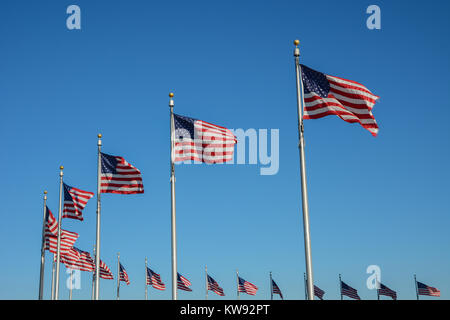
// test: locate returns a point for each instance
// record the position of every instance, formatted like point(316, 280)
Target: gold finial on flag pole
point(296, 42)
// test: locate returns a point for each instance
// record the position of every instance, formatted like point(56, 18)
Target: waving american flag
point(202, 141)
point(246, 287)
point(276, 289)
point(68, 238)
point(328, 95)
point(123, 274)
point(154, 280)
point(74, 202)
point(425, 290)
point(348, 291)
point(119, 176)
point(183, 283)
point(214, 286)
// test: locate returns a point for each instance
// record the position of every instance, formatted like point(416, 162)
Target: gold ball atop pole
point(296, 42)
point(99, 135)
point(45, 191)
point(171, 94)
point(61, 167)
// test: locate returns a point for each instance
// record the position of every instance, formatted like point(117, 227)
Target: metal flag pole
point(146, 286)
point(97, 241)
point(206, 281)
point(306, 286)
point(53, 278)
point(417, 291)
point(58, 247)
point(237, 279)
point(301, 145)
point(41, 278)
point(118, 275)
point(71, 281)
point(172, 183)
point(271, 287)
point(340, 286)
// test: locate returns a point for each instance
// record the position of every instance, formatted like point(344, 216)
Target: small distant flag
point(328, 95)
point(276, 289)
point(348, 291)
point(385, 291)
point(214, 286)
point(105, 272)
point(319, 293)
point(202, 141)
point(246, 287)
point(183, 283)
point(154, 280)
point(74, 202)
point(119, 176)
point(425, 290)
point(123, 274)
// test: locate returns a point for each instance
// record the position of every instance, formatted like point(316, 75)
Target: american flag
point(118, 176)
point(425, 290)
point(105, 272)
point(348, 291)
point(123, 274)
point(183, 283)
point(68, 238)
point(246, 287)
point(154, 280)
point(318, 292)
point(214, 286)
point(70, 258)
point(385, 291)
point(74, 202)
point(202, 141)
point(276, 289)
point(83, 263)
point(349, 100)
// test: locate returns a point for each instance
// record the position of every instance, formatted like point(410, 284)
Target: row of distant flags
point(193, 139)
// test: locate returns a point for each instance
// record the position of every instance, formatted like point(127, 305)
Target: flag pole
point(58, 247)
point(271, 286)
point(146, 287)
point(71, 280)
point(97, 242)
point(206, 281)
point(53, 278)
point(306, 286)
point(237, 275)
point(41, 278)
point(301, 145)
point(173, 215)
point(417, 291)
point(340, 286)
point(118, 275)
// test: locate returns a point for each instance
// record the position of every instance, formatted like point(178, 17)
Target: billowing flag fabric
point(425, 290)
point(276, 289)
point(70, 258)
point(123, 274)
point(119, 176)
point(68, 238)
point(349, 100)
point(183, 283)
point(202, 141)
point(83, 263)
point(105, 272)
point(74, 202)
point(348, 291)
point(318, 292)
point(385, 291)
point(154, 280)
point(214, 286)
point(246, 287)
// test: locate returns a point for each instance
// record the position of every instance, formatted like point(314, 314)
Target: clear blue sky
point(382, 201)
